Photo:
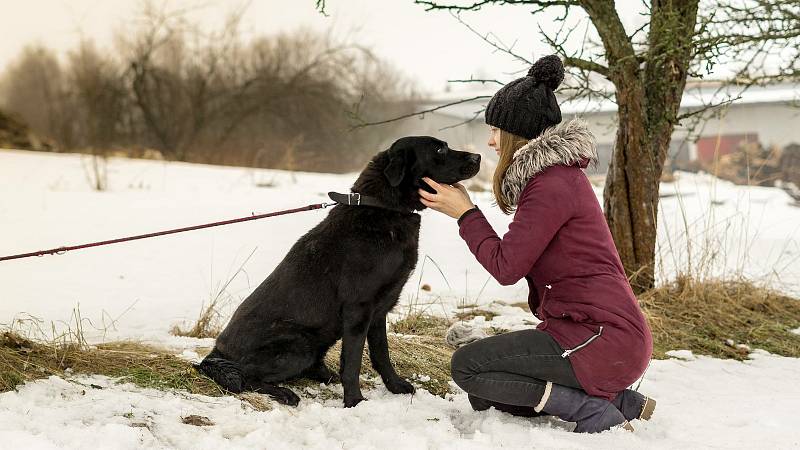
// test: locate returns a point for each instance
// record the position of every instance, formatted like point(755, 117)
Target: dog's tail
point(225, 373)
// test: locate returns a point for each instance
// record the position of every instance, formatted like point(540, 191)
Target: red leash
point(61, 250)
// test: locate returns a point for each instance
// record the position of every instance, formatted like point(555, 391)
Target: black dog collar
point(356, 199)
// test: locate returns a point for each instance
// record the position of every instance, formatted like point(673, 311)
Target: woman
point(593, 341)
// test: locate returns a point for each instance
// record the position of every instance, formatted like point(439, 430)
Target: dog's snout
point(475, 158)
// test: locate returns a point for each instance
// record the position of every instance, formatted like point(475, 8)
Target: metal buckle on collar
point(357, 197)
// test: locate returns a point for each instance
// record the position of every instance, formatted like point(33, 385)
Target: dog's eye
point(442, 150)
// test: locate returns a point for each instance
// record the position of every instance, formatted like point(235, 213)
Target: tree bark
point(649, 101)
point(631, 193)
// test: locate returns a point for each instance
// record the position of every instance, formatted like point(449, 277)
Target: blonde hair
point(509, 144)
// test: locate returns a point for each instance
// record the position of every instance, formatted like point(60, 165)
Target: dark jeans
point(509, 371)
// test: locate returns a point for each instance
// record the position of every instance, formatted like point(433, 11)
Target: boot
point(592, 414)
point(634, 405)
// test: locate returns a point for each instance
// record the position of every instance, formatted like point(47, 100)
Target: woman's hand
point(452, 200)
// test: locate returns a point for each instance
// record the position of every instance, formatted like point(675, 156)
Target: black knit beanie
point(527, 105)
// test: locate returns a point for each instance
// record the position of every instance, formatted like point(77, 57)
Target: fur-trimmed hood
point(568, 143)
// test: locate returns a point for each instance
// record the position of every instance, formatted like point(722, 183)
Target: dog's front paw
point(351, 401)
point(400, 386)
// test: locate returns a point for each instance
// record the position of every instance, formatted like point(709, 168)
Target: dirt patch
point(198, 421)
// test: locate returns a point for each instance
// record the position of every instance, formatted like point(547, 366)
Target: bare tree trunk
point(649, 101)
point(631, 191)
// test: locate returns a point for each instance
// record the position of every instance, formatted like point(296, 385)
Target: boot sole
point(648, 408)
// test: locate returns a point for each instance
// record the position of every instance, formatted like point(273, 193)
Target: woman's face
point(494, 139)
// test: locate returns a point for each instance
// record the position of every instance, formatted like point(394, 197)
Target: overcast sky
point(428, 47)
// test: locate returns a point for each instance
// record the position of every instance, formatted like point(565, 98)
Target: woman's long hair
point(509, 143)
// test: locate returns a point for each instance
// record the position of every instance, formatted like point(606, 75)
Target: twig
point(418, 113)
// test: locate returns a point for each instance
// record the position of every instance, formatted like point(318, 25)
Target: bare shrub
point(286, 101)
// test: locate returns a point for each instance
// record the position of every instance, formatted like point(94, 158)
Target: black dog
point(338, 282)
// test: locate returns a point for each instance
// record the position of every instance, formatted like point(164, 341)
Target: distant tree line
point(288, 101)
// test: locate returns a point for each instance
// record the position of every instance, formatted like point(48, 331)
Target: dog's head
point(411, 158)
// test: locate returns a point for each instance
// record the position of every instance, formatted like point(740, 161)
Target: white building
point(769, 115)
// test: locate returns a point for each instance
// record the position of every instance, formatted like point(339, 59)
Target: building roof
point(694, 97)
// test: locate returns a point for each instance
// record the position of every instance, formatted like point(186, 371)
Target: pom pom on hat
point(548, 70)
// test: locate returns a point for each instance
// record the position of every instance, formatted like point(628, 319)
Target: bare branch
point(709, 107)
point(496, 43)
point(464, 122)
point(476, 80)
point(541, 4)
point(748, 34)
point(571, 59)
point(584, 64)
point(321, 7)
point(419, 113)
point(619, 50)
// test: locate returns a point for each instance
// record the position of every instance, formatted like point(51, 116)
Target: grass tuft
point(472, 313)
point(700, 316)
point(25, 360)
point(208, 325)
point(422, 324)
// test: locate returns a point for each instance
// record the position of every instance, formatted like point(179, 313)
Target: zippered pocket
point(587, 342)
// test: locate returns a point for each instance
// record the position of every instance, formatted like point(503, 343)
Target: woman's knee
point(478, 404)
point(460, 366)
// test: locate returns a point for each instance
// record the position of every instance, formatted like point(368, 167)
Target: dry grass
point(24, 360)
point(211, 320)
point(523, 305)
point(426, 355)
point(701, 316)
point(422, 324)
point(472, 313)
point(208, 325)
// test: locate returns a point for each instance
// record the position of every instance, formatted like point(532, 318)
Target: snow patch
point(685, 355)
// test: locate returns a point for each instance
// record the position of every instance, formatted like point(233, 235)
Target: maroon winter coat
point(560, 243)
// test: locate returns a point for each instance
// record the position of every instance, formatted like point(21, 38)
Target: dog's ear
point(396, 169)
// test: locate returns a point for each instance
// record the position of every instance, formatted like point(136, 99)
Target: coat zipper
point(588, 341)
point(544, 297)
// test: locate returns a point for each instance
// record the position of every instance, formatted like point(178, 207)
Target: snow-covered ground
point(140, 289)
point(702, 403)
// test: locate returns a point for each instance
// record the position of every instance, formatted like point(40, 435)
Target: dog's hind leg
point(225, 373)
point(281, 358)
point(320, 372)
